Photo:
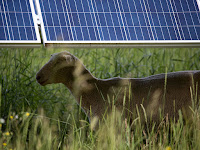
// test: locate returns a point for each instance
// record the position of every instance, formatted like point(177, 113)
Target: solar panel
point(120, 22)
point(18, 27)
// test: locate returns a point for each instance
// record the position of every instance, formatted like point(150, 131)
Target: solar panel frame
point(10, 41)
point(152, 42)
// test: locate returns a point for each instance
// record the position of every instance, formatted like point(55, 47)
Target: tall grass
point(48, 118)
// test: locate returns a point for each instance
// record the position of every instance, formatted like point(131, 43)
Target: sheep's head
point(53, 71)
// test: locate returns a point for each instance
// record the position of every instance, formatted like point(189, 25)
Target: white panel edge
point(44, 38)
point(35, 21)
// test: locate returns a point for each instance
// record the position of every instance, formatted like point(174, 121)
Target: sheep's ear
point(68, 58)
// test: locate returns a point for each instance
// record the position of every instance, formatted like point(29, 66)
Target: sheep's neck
point(79, 82)
point(81, 85)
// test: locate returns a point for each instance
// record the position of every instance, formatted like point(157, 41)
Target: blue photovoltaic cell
point(122, 20)
point(16, 21)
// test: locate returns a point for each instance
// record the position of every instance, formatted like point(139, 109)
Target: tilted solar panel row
point(126, 20)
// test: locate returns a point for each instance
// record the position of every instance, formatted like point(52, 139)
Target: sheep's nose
point(38, 77)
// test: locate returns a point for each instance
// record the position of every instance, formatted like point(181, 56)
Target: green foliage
point(63, 125)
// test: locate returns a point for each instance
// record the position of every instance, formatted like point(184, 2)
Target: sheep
point(167, 93)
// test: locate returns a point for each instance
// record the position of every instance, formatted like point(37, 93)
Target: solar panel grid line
point(102, 27)
point(79, 20)
point(51, 28)
point(192, 21)
point(185, 19)
point(90, 20)
point(70, 26)
point(110, 27)
point(126, 29)
point(114, 29)
point(165, 19)
point(60, 19)
point(187, 22)
point(141, 21)
point(7, 21)
point(198, 4)
point(93, 22)
point(148, 20)
point(105, 34)
point(16, 21)
point(115, 32)
point(138, 19)
point(93, 34)
point(91, 29)
point(126, 22)
point(85, 19)
point(11, 29)
point(158, 20)
point(177, 20)
point(15, 18)
point(23, 20)
point(52, 20)
point(162, 31)
point(171, 17)
point(98, 20)
point(45, 33)
point(105, 22)
point(98, 36)
point(131, 19)
point(126, 34)
point(155, 27)
point(62, 38)
point(48, 29)
point(123, 24)
point(117, 21)
point(192, 18)
point(68, 32)
point(174, 20)
point(73, 22)
point(3, 21)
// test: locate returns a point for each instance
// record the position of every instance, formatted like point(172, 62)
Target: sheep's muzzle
point(40, 79)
